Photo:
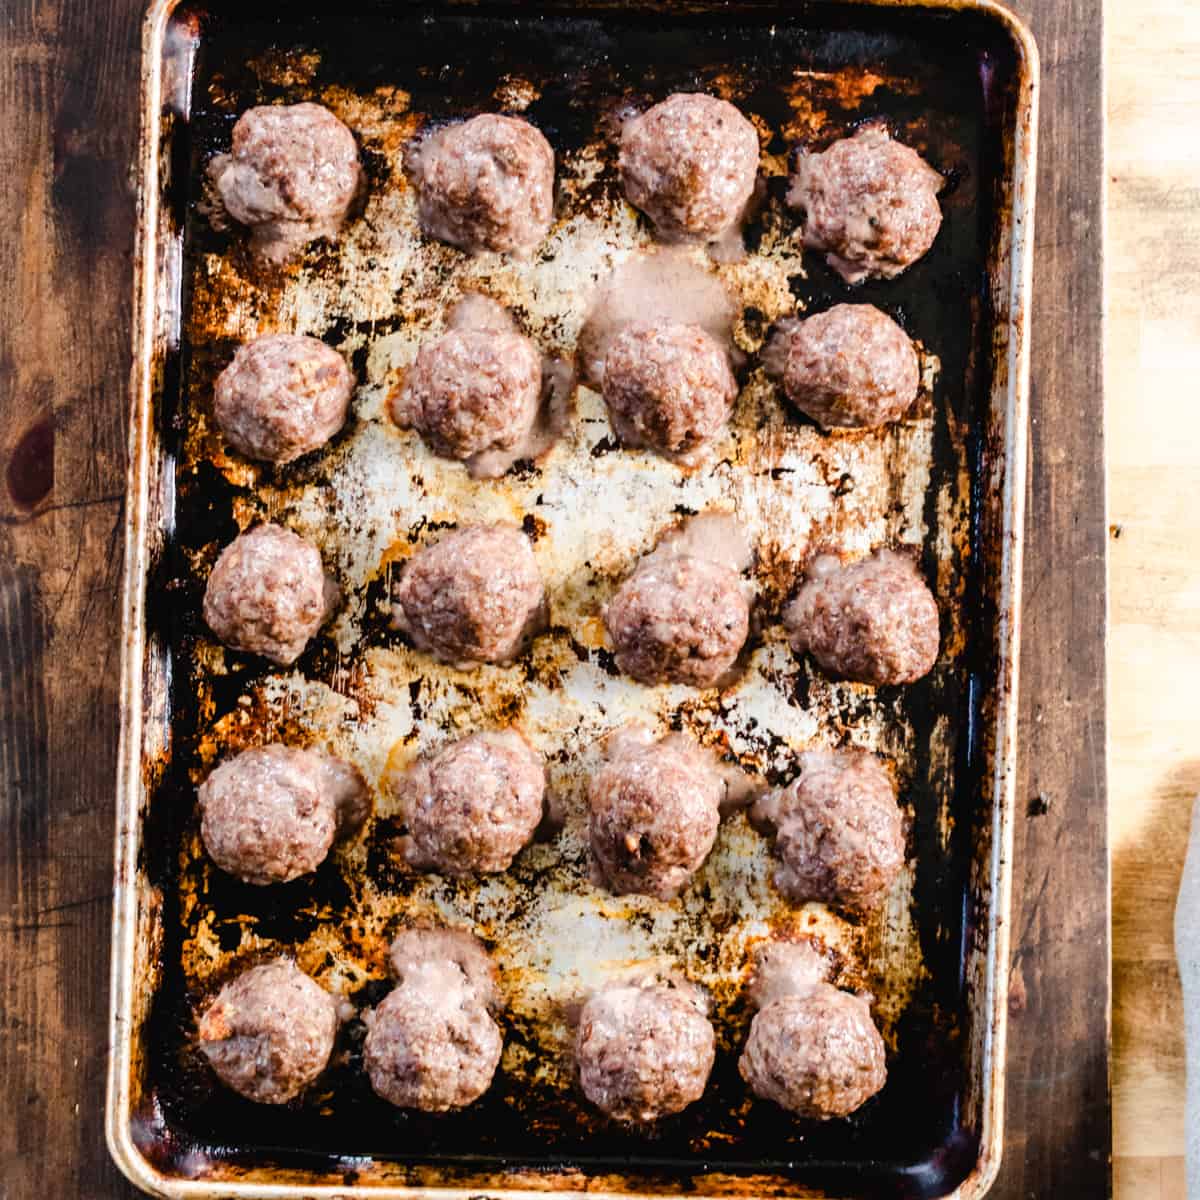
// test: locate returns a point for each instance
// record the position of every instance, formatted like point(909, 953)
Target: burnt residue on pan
point(375, 495)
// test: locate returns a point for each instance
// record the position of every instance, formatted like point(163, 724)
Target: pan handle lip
point(1013, 290)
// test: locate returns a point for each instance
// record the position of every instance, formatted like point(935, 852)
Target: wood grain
point(68, 76)
point(1058, 1086)
point(1154, 646)
point(1150, 1178)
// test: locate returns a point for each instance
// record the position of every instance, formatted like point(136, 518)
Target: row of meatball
point(643, 1048)
point(271, 814)
point(690, 163)
point(682, 616)
point(483, 394)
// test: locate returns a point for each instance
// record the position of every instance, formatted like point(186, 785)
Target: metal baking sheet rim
point(130, 916)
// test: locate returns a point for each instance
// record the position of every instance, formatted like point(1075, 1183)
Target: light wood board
point(1153, 388)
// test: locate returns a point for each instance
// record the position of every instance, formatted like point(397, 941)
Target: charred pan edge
point(1015, 246)
point(143, 724)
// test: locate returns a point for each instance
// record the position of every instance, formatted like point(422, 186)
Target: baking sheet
point(947, 483)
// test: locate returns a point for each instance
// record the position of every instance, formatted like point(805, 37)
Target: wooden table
point(1154, 638)
point(68, 75)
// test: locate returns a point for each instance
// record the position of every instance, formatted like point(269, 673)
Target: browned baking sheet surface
point(370, 499)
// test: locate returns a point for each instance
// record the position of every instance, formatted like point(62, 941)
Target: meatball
point(486, 184)
point(282, 396)
point(471, 391)
point(851, 367)
point(839, 832)
point(644, 1051)
point(475, 596)
point(668, 387)
point(432, 1043)
point(473, 806)
point(869, 202)
point(815, 1053)
point(655, 808)
point(663, 285)
point(270, 1032)
point(690, 164)
point(871, 621)
point(679, 618)
point(291, 176)
point(270, 815)
point(268, 594)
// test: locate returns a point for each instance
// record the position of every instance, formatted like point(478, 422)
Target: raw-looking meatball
point(869, 202)
point(839, 831)
point(473, 806)
point(291, 175)
point(668, 387)
point(815, 1053)
point(644, 1051)
point(282, 396)
point(851, 367)
point(690, 165)
point(871, 621)
point(432, 1043)
point(475, 596)
point(679, 618)
point(270, 814)
point(472, 390)
point(270, 1032)
point(268, 594)
point(486, 184)
point(655, 808)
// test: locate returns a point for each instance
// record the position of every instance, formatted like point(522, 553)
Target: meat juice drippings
point(660, 285)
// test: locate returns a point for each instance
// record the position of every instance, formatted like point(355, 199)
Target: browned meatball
point(644, 1050)
point(282, 396)
point(679, 618)
point(473, 806)
point(690, 165)
point(872, 621)
point(869, 202)
point(839, 832)
point(291, 176)
point(268, 594)
point(655, 809)
point(270, 1032)
point(668, 387)
point(271, 814)
point(475, 596)
point(471, 391)
point(851, 367)
point(486, 184)
point(815, 1053)
point(432, 1043)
